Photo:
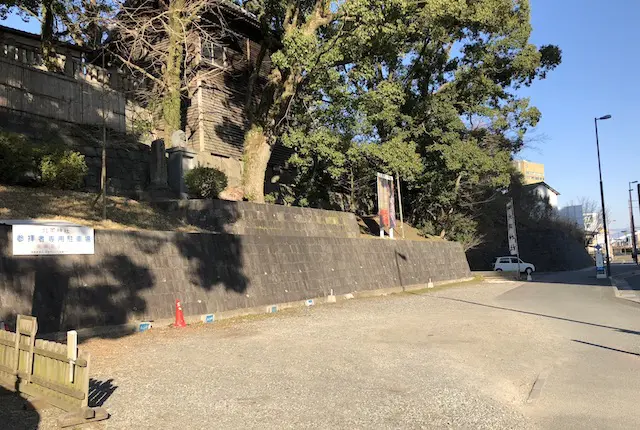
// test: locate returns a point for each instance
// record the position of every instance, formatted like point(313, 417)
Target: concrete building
point(592, 222)
point(532, 172)
point(625, 240)
point(544, 191)
point(574, 214)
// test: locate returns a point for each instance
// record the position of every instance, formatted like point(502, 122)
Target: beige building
point(532, 172)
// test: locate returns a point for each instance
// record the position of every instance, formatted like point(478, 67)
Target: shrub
point(205, 182)
point(16, 159)
point(64, 170)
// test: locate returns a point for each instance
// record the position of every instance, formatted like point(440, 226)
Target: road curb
point(134, 326)
point(621, 291)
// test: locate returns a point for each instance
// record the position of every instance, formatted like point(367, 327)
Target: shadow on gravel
point(605, 347)
point(618, 329)
point(100, 391)
point(17, 413)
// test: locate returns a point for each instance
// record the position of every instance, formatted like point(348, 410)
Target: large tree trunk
point(275, 100)
point(257, 152)
point(171, 103)
point(46, 32)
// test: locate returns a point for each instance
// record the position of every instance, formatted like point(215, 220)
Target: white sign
point(511, 229)
point(600, 272)
point(37, 239)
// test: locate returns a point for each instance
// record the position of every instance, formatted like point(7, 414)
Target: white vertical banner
point(511, 229)
point(386, 203)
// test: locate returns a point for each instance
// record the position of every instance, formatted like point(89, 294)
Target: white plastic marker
point(72, 351)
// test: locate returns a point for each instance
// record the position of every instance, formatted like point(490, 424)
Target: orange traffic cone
point(179, 315)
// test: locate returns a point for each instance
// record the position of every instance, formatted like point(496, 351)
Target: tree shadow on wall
point(69, 292)
point(543, 239)
point(215, 261)
point(133, 276)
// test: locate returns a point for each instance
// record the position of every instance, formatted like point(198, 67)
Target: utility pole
point(634, 253)
point(634, 235)
point(604, 209)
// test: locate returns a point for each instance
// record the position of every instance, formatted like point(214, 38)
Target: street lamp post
point(634, 253)
point(604, 212)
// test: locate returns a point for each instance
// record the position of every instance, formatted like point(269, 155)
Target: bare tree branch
point(162, 46)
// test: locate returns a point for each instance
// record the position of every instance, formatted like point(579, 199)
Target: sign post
point(511, 232)
point(600, 272)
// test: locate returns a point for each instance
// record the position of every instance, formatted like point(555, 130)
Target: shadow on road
point(605, 347)
point(585, 277)
point(618, 329)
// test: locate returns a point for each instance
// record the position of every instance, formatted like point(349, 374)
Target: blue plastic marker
point(144, 326)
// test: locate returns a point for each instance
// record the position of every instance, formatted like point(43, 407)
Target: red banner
point(386, 202)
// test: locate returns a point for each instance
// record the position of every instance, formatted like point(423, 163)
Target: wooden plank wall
point(7, 376)
point(46, 373)
point(27, 89)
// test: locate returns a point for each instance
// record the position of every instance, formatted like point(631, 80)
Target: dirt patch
point(81, 208)
point(369, 226)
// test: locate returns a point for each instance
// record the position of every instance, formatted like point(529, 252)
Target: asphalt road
point(593, 378)
point(630, 275)
point(559, 353)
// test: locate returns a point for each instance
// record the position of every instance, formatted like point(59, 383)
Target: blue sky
point(598, 76)
point(32, 26)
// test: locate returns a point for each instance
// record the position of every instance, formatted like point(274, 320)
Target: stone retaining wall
point(138, 275)
point(263, 219)
point(127, 159)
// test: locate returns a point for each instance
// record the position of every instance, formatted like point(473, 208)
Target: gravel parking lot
point(435, 360)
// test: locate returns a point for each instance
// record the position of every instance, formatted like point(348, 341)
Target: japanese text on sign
point(52, 240)
point(511, 229)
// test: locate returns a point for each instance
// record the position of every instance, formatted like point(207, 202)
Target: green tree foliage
point(427, 90)
point(16, 158)
point(63, 170)
point(313, 46)
point(24, 162)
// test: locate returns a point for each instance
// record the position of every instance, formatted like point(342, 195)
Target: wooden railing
point(73, 66)
point(52, 371)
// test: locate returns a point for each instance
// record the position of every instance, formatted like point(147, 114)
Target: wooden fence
point(54, 372)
